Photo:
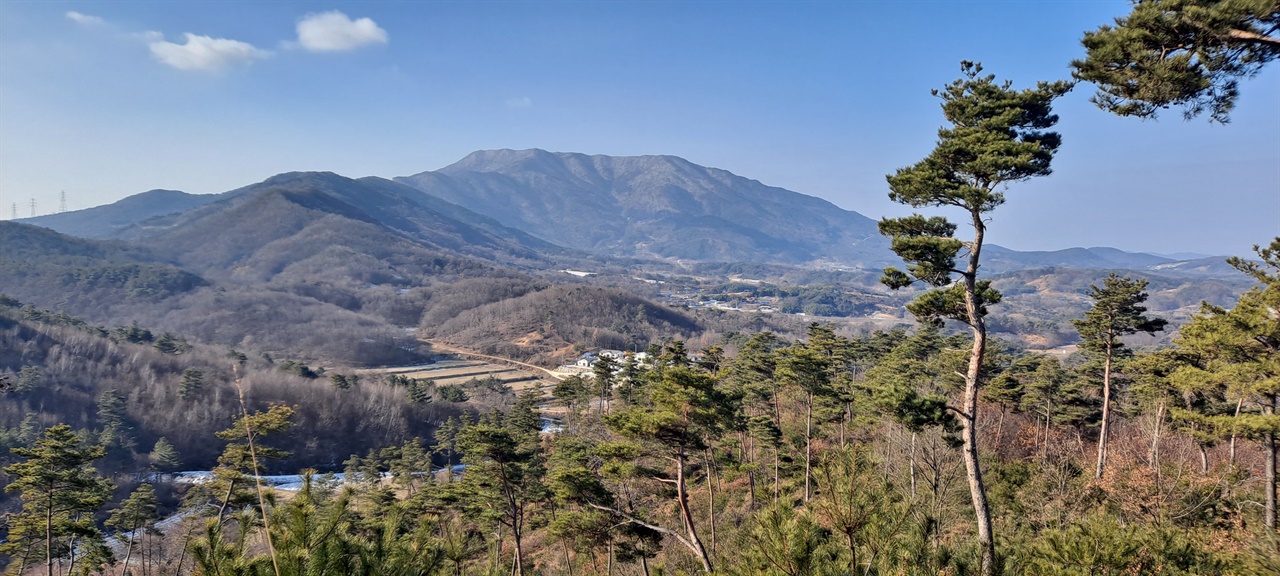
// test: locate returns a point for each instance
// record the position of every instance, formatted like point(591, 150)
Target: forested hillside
point(145, 385)
point(111, 283)
point(554, 325)
point(826, 455)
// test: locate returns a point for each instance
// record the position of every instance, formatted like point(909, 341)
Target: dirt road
point(441, 346)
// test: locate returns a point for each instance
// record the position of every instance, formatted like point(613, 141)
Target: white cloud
point(84, 19)
point(522, 102)
point(205, 53)
point(334, 32)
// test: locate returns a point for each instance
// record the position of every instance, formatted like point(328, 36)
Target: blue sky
point(108, 99)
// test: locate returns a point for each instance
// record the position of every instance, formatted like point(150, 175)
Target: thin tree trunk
point(257, 474)
point(71, 564)
point(844, 425)
point(1232, 450)
point(751, 470)
point(48, 537)
point(1270, 444)
point(182, 556)
point(644, 565)
point(128, 551)
point(682, 495)
point(1000, 427)
point(969, 409)
point(711, 500)
point(777, 466)
point(26, 556)
point(1043, 449)
point(222, 510)
point(913, 466)
point(1106, 414)
point(568, 561)
point(497, 548)
point(1155, 437)
point(808, 444)
point(519, 559)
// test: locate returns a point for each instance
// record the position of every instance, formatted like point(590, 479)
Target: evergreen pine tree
point(998, 136)
point(1117, 312)
point(136, 513)
point(1239, 351)
point(191, 383)
point(115, 432)
point(604, 369)
point(1189, 53)
point(164, 457)
point(60, 492)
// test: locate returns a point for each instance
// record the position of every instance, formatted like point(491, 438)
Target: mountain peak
point(496, 160)
point(651, 206)
point(305, 178)
point(537, 159)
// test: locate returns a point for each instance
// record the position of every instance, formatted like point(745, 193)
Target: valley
point(376, 329)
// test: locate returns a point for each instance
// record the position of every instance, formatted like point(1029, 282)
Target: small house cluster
point(583, 366)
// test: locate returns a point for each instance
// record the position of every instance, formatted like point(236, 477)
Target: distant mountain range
point(288, 218)
point(527, 205)
point(112, 219)
point(355, 270)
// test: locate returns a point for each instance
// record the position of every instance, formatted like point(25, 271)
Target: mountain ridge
point(662, 207)
point(527, 205)
point(107, 220)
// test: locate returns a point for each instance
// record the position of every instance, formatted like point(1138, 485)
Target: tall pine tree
point(998, 136)
point(1117, 311)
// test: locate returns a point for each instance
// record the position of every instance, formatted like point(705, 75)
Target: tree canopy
point(1185, 53)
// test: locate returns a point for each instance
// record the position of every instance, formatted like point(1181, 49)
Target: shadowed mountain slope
point(84, 276)
point(260, 230)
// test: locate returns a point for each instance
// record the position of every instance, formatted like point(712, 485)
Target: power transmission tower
point(33, 207)
point(62, 205)
point(13, 211)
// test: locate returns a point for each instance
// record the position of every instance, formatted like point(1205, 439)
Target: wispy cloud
point(335, 32)
point(85, 19)
point(204, 53)
point(149, 36)
point(522, 102)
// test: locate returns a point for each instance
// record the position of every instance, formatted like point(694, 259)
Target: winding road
point(441, 346)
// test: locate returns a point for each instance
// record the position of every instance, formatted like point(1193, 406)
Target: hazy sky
point(108, 99)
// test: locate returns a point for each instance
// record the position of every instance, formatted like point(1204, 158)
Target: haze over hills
point(313, 261)
point(110, 220)
point(530, 205)
point(654, 207)
point(666, 207)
